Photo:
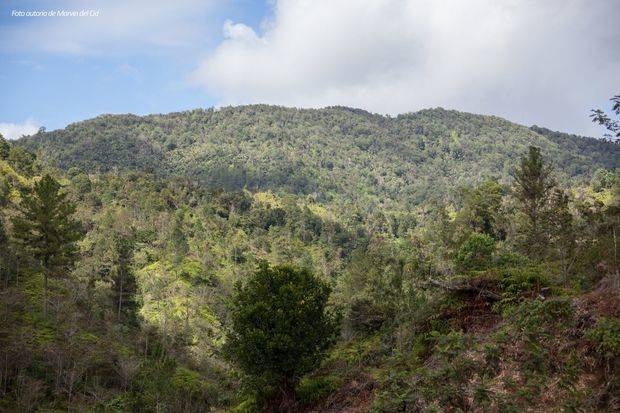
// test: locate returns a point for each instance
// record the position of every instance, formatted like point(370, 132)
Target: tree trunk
point(615, 247)
point(284, 400)
point(120, 295)
point(45, 278)
point(45, 293)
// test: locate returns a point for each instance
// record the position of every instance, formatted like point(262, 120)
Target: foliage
point(5, 148)
point(372, 206)
point(602, 179)
point(602, 118)
point(606, 335)
point(476, 253)
point(482, 208)
point(281, 328)
point(313, 390)
point(22, 160)
point(533, 185)
point(334, 154)
point(47, 229)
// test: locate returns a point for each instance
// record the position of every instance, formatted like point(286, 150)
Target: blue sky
point(51, 86)
point(532, 62)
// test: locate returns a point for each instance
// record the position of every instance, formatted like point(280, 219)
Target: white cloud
point(530, 61)
point(15, 130)
point(130, 70)
point(120, 26)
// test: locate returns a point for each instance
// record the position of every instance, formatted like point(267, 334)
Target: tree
point(5, 256)
point(46, 228)
point(178, 241)
point(80, 181)
point(561, 229)
point(22, 160)
point(5, 147)
point(482, 208)
point(124, 286)
point(602, 118)
point(281, 328)
point(476, 253)
point(533, 183)
point(602, 179)
point(5, 190)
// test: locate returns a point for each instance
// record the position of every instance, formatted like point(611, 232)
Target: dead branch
point(466, 288)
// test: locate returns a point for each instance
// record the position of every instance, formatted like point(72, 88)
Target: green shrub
point(311, 390)
point(366, 316)
point(483, 395)
point(532, 316)
point(194, 272)
point(511, 259)
point(536, 356)
point(570, 372)
point(123, 402)
point(516, 283)
point(365, 352)
point(449, 345)
point(492, 353)
point(187, 381)
point(397, 395)
point(606, 335)
point(246, 406)
point(476, 253)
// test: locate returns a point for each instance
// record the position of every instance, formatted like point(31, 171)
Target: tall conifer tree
point(533, 186)
point(46, 228)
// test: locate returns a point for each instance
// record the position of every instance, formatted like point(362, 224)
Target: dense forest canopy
point(337, 155)
point(261, 258)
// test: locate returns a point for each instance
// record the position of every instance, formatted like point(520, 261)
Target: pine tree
point(532, 189)
point(46, 228)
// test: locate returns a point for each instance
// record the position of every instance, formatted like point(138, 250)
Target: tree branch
point(465, 288)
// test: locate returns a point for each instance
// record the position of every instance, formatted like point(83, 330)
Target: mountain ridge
point(325, 152)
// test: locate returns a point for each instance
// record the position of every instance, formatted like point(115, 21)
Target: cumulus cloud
point(15, 130)
point(119, 26)
point(530, 61)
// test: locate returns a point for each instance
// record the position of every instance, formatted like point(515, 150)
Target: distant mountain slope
point(335, 152)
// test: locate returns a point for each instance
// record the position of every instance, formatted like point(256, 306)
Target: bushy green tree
point(46, 228)
point(476, 253)
point(5, 147)
point(482, 207)
point(80, 181)
point(22, 160)
point(281, 327)
point(602, 179)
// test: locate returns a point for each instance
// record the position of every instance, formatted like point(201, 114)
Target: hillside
point(502, 296)
point(336, 154)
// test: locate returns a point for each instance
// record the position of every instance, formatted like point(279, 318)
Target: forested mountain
point(336, 154)
point(266, 259)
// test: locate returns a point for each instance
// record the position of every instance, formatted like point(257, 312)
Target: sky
point(532, 62)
